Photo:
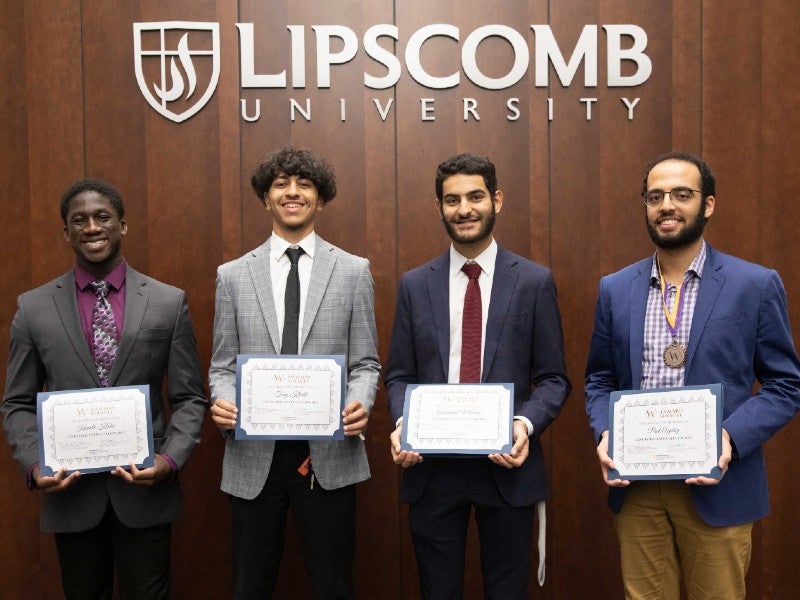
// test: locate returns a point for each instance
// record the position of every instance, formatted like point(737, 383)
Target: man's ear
point(710, 201)
point(498, 200)
point(437, 206)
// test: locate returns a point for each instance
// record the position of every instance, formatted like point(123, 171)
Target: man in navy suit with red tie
point(515, 338)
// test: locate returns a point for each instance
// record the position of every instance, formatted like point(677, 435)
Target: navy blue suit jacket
point(524, 346)
point(740, 334)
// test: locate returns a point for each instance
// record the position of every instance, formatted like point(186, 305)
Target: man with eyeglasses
point(690, 315)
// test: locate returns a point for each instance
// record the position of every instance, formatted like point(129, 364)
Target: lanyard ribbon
point(673, 315)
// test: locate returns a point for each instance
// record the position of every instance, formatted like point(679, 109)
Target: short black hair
point(708, 183)
point(467, 164)
point(102, 187)
point(290, 161)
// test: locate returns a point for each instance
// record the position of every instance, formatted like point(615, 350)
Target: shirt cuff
point(527, 422)
point(172, 464)
point(29, 480)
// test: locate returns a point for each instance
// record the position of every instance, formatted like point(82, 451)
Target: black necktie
point(291, 303)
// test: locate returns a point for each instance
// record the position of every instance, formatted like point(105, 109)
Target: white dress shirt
point(458, 289)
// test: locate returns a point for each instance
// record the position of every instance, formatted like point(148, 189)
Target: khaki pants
point(661, 536)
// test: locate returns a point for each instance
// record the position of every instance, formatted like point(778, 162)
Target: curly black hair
point(292, 160)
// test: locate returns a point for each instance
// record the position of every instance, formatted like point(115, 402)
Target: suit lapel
point(259, 267)
point(136, 298)
point(438, 282)
point(504, 284)
point(640, 288)
point(66, 301)
point(321, 272)
point(710, 286)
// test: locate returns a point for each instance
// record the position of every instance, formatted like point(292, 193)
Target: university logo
point(170, 58)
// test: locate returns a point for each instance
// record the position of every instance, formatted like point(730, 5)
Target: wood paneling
point(724, 83)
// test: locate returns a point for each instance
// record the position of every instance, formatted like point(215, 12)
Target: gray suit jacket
point(49, 351)
point(339, 318)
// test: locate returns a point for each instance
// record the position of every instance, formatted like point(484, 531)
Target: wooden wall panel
point(49, 124)
point(18, 520)
point(724, 83)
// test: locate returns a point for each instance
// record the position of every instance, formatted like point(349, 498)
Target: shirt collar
point(278, 245)
point(115, 279)
point(485, 259)
point(695, 267)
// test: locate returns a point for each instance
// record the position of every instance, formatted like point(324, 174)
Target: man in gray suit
point(122, 516)
point(336, 316)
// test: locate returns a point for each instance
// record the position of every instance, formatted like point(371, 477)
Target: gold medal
point(675, 355)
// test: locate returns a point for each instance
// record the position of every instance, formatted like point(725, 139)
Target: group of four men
point(479, 314)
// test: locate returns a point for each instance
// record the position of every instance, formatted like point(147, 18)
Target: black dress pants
point(325, 522)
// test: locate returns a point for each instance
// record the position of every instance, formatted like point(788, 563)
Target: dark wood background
point(724, 84)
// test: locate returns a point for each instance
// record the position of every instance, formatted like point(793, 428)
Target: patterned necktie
point(471, 327)
point(291, 303)
point(104, 329)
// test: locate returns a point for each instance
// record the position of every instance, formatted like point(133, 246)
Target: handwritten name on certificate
point(670, 433)
point(94, 430)
point(289, 397)
point(458, 418)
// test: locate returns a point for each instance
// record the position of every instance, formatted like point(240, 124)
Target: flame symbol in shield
point(176, 91)
point(162, 95)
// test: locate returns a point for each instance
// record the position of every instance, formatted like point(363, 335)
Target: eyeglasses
point(678, 195)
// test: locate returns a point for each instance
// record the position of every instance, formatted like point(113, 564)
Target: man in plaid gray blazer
point(336, 316)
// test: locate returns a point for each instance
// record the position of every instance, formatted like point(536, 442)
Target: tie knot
point(100, 288)
point(473, 270)
point(294, 254)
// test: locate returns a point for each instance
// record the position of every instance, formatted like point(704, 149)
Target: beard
point(484, 231)
point(686, 237)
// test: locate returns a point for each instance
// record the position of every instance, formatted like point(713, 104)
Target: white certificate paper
point(668, 433)
point(289, 397)
point(94, 430)
point(458, 418)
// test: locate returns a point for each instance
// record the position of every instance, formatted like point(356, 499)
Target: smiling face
point(95, 231)
point(468, 212)
point(675, 226)
point(294, 203)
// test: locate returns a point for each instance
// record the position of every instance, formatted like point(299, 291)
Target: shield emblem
point(170, 57)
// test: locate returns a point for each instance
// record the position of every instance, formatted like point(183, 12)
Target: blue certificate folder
point(88, 410)
point(460, 447)
point(656, 450)
point(288, 426)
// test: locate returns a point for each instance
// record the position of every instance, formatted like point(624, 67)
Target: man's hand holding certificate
point(673, 433)
point(458, 419)
point(290, 397)
point(94, 430)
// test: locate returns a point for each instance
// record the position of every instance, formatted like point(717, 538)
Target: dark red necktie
point(471, 328)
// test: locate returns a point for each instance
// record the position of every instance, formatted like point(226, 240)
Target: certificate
point(94, 430)
point(458, 418)
point(289, 397)
point(669, 433)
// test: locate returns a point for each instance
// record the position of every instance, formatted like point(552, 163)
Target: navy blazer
point(740, 335)
point(524, 346)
